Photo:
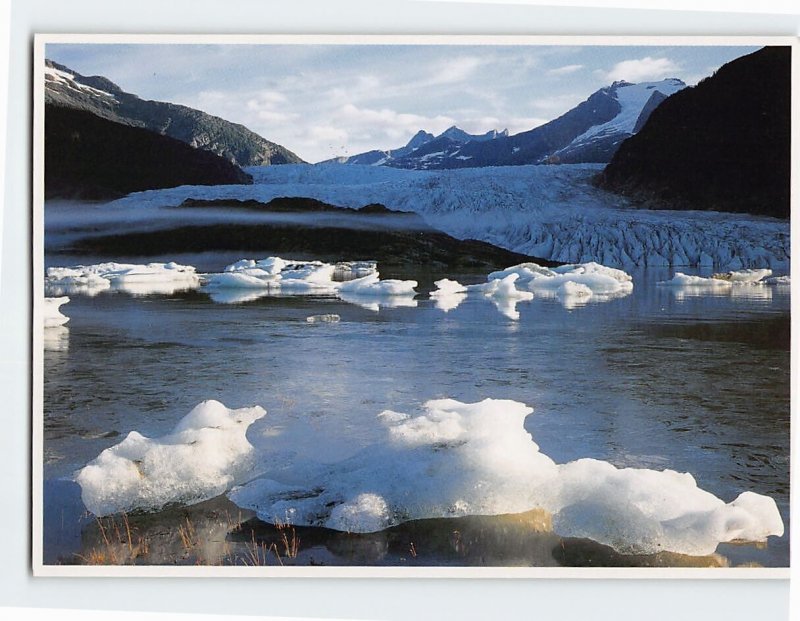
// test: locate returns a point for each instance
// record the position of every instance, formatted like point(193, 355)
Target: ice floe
point(325, 318)
point(749, 284)
point(456, 459)
point(201, 458)
point(51, 314)
point(356, 282)
point(151, 278)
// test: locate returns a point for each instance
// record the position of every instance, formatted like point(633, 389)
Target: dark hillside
point(722, 145)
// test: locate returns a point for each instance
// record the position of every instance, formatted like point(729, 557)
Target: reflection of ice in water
point(448, 301)
point(448, 294)
point(225, 295)
point(504, 294)
point(56, 338)
point(752, 284)
point(376, 302)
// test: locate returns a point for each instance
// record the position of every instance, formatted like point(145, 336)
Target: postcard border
point(39, 569)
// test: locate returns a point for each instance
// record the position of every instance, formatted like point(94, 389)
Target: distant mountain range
point(100, 96)
point(723, 145)
point(590, 132)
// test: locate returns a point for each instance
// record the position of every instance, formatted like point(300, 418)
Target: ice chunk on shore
point(477, 459)
point(132, 278)
point(51, 314)
point(202, 458)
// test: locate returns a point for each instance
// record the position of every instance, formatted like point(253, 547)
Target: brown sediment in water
point(217, 532)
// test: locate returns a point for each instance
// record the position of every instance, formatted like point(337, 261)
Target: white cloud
point(557, 104)
point(565, 70)
point(455, 69)
point(388, 122)
point(642, 69)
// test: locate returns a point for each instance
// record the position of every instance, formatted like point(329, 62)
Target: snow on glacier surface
point(553, 212)
point(456, 459)
point(201, 458)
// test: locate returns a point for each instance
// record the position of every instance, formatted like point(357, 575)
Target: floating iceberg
point(573, 284)
point(458, 459)
point(164, 278)
point(448, 294)
point(739, 277)
point(203, 457)
point(326, 318)
point(286, 276)
point(52, 316)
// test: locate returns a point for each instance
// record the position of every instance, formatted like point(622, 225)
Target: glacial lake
point(663, 378)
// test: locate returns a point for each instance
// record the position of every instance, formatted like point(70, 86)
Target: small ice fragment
point(326, 318)
point(50, 310)
point(445, 286)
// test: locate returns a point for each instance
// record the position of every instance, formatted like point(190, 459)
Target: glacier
point(552, 212)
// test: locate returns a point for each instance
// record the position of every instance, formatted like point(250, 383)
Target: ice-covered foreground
point(163, 278)
point(200, 459)
point(552, 212)
point(52, 316)
point(456, 459)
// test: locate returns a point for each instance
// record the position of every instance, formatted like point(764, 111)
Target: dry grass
point(121, 545)
point(289, 538)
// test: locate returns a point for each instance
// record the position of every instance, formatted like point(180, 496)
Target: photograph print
point(411, 305)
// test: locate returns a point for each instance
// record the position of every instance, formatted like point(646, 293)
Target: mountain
point(89, 157)
point(722, 145)
point(589, 133)
point(237, 144)
point(424, 148)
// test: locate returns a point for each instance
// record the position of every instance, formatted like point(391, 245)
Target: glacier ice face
point(201, 458)
point(51, 315)
point(552, 212)
point(457, 459)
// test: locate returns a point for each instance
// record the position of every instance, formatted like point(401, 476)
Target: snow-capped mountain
point(424, 148)
point(724, 144)
point(100, 96)
point(589, 133)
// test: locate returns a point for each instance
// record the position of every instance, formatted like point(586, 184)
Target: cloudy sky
point(323, 101)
